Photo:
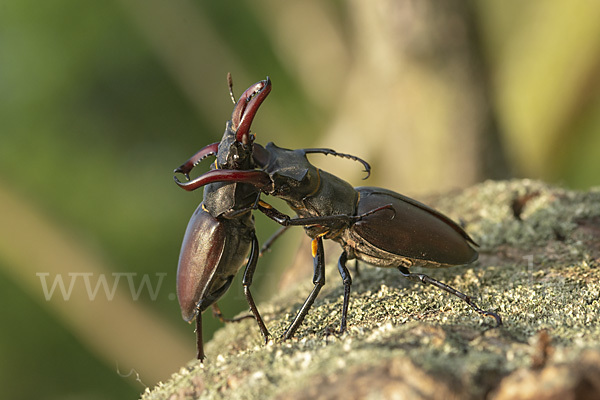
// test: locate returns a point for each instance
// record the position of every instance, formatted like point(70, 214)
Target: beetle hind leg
point(467, 299)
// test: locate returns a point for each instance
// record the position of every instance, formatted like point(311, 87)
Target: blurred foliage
point(99, 101)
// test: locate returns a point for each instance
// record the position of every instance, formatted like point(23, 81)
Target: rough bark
point(538, 267)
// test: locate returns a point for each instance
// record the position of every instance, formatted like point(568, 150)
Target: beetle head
point(293, 176)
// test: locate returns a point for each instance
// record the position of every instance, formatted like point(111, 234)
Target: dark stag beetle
point(374, 225)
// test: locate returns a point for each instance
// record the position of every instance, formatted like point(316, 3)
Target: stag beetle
point(373, 225)
point(221, 231)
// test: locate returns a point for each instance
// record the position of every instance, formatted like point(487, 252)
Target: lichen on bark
point(538, 268)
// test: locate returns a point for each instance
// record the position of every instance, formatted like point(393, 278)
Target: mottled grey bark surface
point(538, 268)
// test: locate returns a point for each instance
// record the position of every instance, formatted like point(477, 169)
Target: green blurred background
point(99, 101)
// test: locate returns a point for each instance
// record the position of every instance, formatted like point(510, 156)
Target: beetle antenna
point(342, 155)
point(230, 85)
point(467, 299)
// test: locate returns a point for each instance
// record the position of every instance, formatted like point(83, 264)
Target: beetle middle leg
point(318, 281)
point(347, 280)
point(247, 281)
point(467, 299)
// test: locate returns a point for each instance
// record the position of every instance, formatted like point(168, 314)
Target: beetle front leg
point(318, 281)
point(247, 281)
point(426, 279)
point(286, 220)
point(324, 220)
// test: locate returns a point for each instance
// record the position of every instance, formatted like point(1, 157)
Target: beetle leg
point(347, 279)
point(218, 314)
point(199, 342)
point(267, 245)
point(187, 166)
point(318, 281)
point(428, 280)
point(247, 281)
point(286, 220)
point(281, 217)
point(324, 220)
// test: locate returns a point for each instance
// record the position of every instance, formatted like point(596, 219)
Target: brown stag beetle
point(221, 231)
point(373, 225)
point(391, 230)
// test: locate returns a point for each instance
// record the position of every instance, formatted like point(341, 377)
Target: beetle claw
point(495, 316)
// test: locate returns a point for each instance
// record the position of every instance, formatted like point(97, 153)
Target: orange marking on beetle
point(314, 246)
point(263, 204)
point(315, 243)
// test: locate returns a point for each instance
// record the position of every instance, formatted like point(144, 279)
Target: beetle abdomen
point(211, 254)
point(201, 250)
point(416, 231)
